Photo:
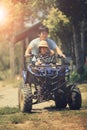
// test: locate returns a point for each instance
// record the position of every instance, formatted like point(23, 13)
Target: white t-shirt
point(35, 43)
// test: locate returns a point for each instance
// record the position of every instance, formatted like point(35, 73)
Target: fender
point(24, 74)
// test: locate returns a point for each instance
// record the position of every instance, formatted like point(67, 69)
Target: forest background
point(67, 23)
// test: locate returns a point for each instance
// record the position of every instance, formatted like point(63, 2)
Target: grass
point(13, 119)
point(8, 110)
point(14, 116)
point(42, 120)
point(11, 82)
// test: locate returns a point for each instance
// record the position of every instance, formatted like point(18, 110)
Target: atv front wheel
point(74, 99)
point(25, 98)
point(60, 100)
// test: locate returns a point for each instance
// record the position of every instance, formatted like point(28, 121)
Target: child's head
point(43, 47)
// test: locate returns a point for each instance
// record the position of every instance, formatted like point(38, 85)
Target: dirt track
point(48, 120)
point(9, 97)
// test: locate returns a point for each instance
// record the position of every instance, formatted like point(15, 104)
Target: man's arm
point(53, 46)
point(28, 51)
point(59, 52)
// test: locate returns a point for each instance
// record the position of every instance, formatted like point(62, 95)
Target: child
point(44, 49)
point(45, 53)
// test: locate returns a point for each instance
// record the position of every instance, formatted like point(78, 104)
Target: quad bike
point(46, 82)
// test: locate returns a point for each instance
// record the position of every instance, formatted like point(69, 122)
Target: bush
point(74, 77)
point(5, 74)
point(84, 75)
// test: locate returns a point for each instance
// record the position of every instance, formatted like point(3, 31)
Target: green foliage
point(18, 56)
point(5, 59)
point(17, 14)
point(60, 29)
point(75, 9)
point(84, 75)
point(17, 119)
point(54, 18)
point(44, 4)
point(56, 22)
point(4, 74)
point(74, 77)
point(8, 110)
point(4, 55)
point(11, 82)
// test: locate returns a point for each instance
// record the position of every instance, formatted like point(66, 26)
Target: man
point(33, 47)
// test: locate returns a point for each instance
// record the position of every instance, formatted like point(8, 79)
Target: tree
point(76, 11)
point(15, 19)
point(60, 29)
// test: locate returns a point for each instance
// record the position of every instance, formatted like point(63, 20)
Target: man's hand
point(63, 56)
point(59, 52)
point(27, 55)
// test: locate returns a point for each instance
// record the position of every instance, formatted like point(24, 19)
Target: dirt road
point(9, 98)
point(46, 119)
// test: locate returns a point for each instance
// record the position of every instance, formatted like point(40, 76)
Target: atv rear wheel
point(25, 98)
point(60, 100)
point(74, 99)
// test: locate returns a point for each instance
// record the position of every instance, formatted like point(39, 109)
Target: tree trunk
point(22, 59)
point(78, 50)
point(22, 54)
point(82, 41)
point(12, 60)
